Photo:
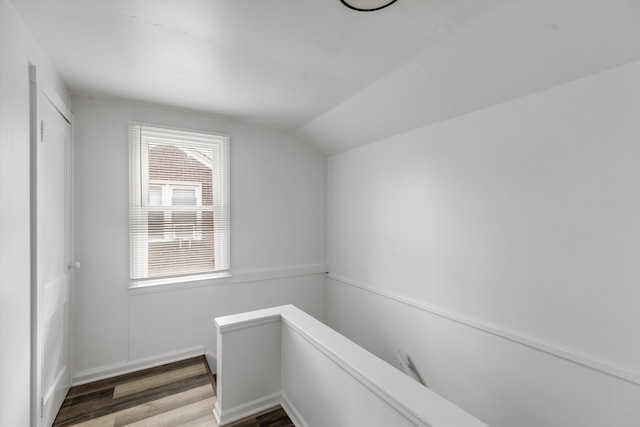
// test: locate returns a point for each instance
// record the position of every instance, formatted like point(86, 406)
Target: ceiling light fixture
point(367, 5)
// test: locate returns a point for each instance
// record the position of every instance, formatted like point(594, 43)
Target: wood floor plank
point(250, 422)
point(151, 409)
point(77, 408)
point(206, 421)
point(275, 418)
point(112, 382)
point(158, 380)
point(88, 410)
point(166, 404)
point(179, 416)
point(176, 394)
point(104, 421)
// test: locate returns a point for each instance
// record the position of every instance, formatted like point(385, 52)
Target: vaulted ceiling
point(338, 77)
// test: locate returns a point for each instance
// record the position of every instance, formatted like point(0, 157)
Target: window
point(179, 205)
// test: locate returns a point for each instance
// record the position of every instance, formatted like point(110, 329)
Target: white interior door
point(51, 255)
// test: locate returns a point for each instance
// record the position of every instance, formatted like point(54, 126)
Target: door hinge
point(41, 406)
point(41, 130)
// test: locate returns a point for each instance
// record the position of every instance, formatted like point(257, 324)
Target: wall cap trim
point(603, 366)
point(236, 322)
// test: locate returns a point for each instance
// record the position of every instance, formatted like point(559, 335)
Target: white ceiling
point(338, 77)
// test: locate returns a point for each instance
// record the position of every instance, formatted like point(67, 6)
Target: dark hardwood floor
point(176, 394)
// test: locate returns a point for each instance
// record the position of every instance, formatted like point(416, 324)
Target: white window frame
point(138, 204)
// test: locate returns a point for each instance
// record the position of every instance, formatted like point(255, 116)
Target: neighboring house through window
point(179, 213)
point(171, 225)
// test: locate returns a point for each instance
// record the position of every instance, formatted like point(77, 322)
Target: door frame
point(37, 87)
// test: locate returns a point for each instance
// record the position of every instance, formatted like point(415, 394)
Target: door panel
point(52, 256)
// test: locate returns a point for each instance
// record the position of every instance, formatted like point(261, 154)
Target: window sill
point(178, 283)
point(226, 278)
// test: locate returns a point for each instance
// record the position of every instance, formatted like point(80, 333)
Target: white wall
point(278, 191)
point(520, 223)
point(18, 50)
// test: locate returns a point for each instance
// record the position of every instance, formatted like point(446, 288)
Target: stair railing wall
point(282, 355)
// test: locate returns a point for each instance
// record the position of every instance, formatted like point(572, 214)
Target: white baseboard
point(116, 369)
point(212, 361)
point(246, 409)
point(292, 412)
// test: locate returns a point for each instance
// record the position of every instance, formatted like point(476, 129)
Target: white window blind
point(179, 205)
